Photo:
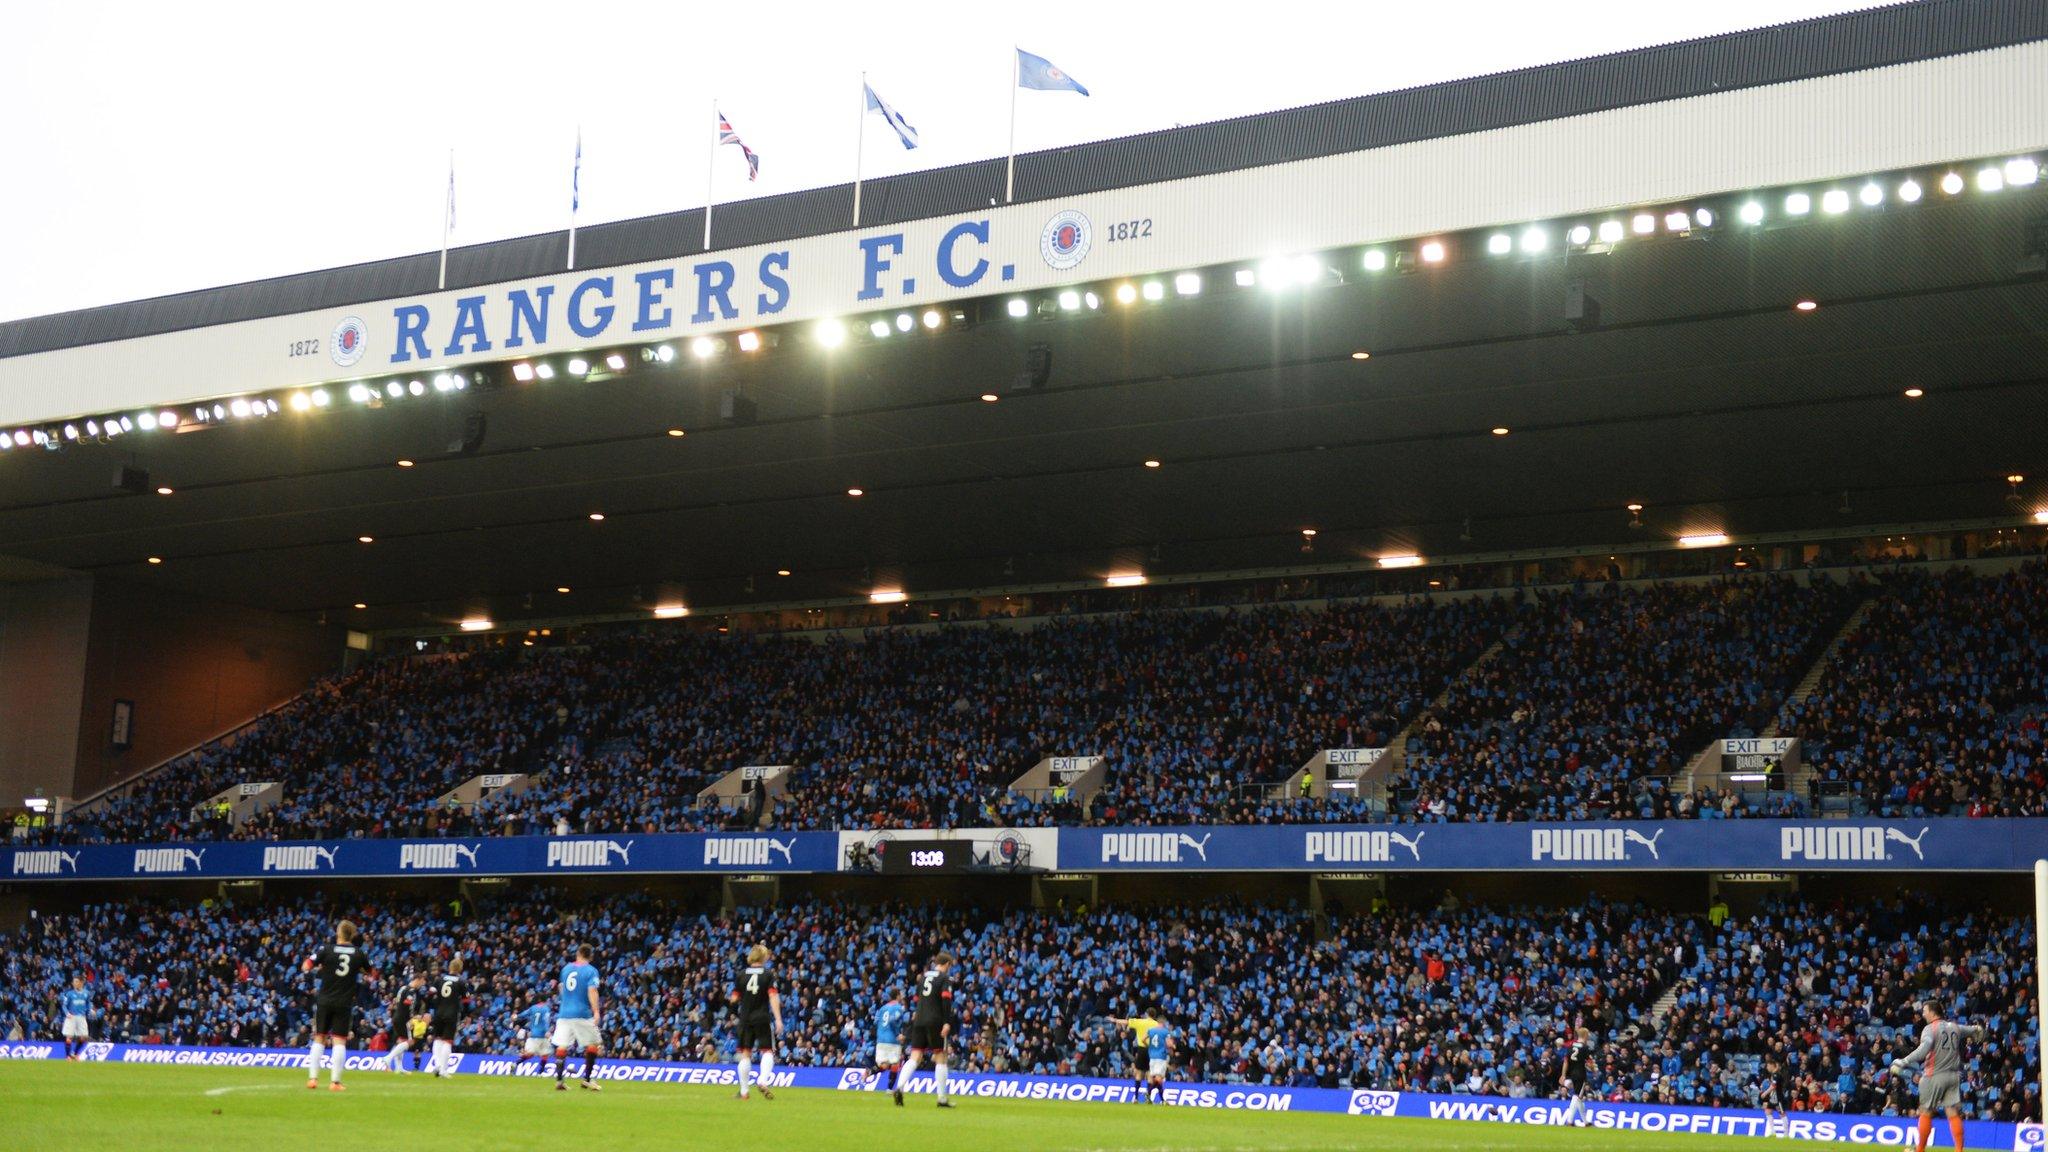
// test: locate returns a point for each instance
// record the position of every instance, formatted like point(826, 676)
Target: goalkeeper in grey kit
point(1940, 1057)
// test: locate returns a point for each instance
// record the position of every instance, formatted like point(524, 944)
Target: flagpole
point(711, 174)
point(1010, 181)
point(860, 140)
point(575, 196)
point(447, 211)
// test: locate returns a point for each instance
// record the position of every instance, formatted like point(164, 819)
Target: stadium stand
point(1456, 998)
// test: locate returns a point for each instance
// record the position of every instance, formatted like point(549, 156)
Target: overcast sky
point(154, 147)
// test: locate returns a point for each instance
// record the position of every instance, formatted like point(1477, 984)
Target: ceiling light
point(1245, 277)
point(989, 397)
point(1187, 284)
point(359, 604)
point(1361, 354)
point(856, 492)
point(782, 571)
point(1914, 393)
point(1500, 430)
point(1703, 540)
point(169, 419)
point(1401, 560)
point(675, 432)
point(1433, 252)
point(703, 347)
point(750, 341)
point(562, 588)
point(597, 517)
point(156, 559)
point(1151, 463)
point(476, 624)
point(1806, 305)
point(1610, 231)
point(300, 402)
point(1092, 300)
point(360, 393)
point(1125, 580)
point(887, 596)
point(1703, 218)
point(670, 611)
point(365, 539)
point(238, 406)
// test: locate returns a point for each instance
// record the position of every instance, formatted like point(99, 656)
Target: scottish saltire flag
point(1036, 72)
point(905, 130)
point(727, 136)
point(576, 177)
point(451, 195)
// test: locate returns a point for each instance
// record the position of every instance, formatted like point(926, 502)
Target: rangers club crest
point(349, 341)
point(1065, 241)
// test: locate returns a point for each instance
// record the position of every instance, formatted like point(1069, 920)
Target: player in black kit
point(449, 991)
point(334, 1007)
point(760, 1018)
point(931, 1025)
point(411, 1001)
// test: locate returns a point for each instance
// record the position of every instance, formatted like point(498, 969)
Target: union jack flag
point(727, 136)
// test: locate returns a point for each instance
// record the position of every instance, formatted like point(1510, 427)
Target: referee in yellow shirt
point(1141, 1026)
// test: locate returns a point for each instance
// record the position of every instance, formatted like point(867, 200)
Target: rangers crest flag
point(727, 136)
point(905, 131)
point(1040, 74)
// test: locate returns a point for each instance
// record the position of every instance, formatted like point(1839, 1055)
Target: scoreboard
point(925, 857)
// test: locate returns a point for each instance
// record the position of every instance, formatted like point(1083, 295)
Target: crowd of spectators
point(1933, 705)
point(1587, 710)
point(1597, 697)
point(1456, 998)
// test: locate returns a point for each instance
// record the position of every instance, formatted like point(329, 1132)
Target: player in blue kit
point(76, 1004)
point(890, 1020)
point(576, 1022)
point(535, 1022)
point(1159, 1043)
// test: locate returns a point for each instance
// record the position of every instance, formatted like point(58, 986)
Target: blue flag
point(1038, 73)
point(905, 131)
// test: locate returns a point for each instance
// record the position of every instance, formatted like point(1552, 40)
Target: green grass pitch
point(57, 1107)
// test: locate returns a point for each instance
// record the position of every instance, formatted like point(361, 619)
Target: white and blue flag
point(576, 177)
point(1039, 74)
point(905, 130)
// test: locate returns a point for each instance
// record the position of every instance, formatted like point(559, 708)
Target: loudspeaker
point(1037, 368)
point(734, 408)
point(133, 481)
point(474, 426)
point(1580, 310)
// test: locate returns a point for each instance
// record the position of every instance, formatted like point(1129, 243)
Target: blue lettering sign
point(771, 265)
point(469, 321)
point(412, 332)
point(648, 317)
point(948, 271)
point(532, 311)
point(714, 282)
point(602, 285)
point(873, 263)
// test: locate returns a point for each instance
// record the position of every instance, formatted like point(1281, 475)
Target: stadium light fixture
point(1125, 579)
point(880, 329)
point(164, 490)
point(156, 559)
point(1361, 354)
point(989, 397)
point(1433, 252)
point(238, 406)
point(1188, 284)
point(1703, 540)
point(1151, 463)
point(1580, 234)
point(676, 433)
point(1805, 306)
point(147, 420)
point(703, 347)
point(666, 353)
point(615, 362)
point(476, 624)
point(359, 605)
point(1375, 260)
point(1871, 194)
point(520, 372)
point(1246, 277)
point(1069, 300)
point(1952, 183)
point(1677, 222)
point(404, 463)
point(831, 333)
point(1798, 204)
point(1500, 430)
point(1401, 560)
point(1534, 240)
point(1611, 231)
point(597, 517)
point(1126, 293)
point(2022, 171)
point(1153, 291)
point(1309, 533)
point(782, 571)
point(418, 389)
point(905, 322)
point(1498, 244)
point(70, 433)
point(749, 341)
point(1703, 217)
point(1642, 223)
point(2041, 517)
point(1091, 300)
point(562, 588)
point(1990, 180)
point(887, 596)
point(1751, 212)
point(856, 492)
point(360, 393)
point(1914, 393)
point(1909, 191)
point(670, 611)
point(446, 383)
point(578, 366)
point(1018, 307)
point(544, 370)
point(1834, 201)
point(169, 419)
